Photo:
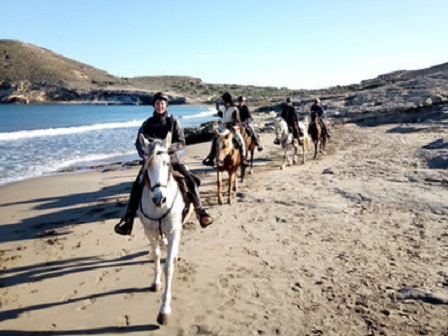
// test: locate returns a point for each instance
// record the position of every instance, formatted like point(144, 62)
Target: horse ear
point(143, 141)
point(145, 144)
point(167, 141)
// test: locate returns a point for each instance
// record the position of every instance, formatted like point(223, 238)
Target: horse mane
point(223, 134)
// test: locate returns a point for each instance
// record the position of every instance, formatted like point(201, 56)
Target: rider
point(230, 118)
point(157, 127)
point(318, 110)
point(246, 119)
point(290, 116)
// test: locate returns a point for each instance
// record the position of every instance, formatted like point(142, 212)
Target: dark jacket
point(245, 115)
point(289, 115)
point(318, 110)
point(157, 127)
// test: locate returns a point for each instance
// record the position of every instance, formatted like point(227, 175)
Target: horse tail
point(307, 141)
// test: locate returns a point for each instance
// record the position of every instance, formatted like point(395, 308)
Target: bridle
point(278, 134)
point(155, 186)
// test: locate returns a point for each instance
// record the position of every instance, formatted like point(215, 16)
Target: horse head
point(157, 167)
point(226, 147)
point(281, 130)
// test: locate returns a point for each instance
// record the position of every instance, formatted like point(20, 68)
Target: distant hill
point(25, 62)
point(30, 74)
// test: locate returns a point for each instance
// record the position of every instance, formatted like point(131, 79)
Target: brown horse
point(249, 141)
point(317, 135)
point(229, 159)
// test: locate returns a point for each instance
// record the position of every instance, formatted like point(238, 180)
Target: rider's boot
point(125, 225)
point(208, 161)
point(243, 158)
point(201, 214)
point(204, 218)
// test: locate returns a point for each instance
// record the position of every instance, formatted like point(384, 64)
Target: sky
point(283, 43)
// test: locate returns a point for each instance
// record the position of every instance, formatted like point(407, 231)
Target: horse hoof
point(155, 287)
point(162, 319)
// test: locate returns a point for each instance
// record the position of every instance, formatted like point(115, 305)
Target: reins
point(163, 216)
point(152, 188)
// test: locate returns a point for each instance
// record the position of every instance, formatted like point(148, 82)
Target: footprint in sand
point(123, 321)
point(100, 276)
point(85, 304)
point(69, 296)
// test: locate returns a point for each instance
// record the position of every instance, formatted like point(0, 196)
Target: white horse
point(161, 209)
point(285, 139)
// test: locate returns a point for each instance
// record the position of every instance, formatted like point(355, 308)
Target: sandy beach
point(329, 247)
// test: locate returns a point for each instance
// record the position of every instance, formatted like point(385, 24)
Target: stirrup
point(204, 218)
point(207, 162)
point(124, 227)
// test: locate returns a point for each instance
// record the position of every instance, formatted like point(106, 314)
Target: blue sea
point(37, 140)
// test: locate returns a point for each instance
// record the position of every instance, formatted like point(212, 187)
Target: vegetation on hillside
point(25, 62)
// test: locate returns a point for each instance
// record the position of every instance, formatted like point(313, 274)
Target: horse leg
point(322, 144)
point(153, 238)
point(251, 170)
point(219, 182)
point(315, 148)
point(232, 185)
point(295, 152)
point(285, 156)
point(243, 173)
point(303, 150)
point(173, 249)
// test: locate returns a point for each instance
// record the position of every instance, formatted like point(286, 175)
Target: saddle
point(248, 131)
point(180, 179)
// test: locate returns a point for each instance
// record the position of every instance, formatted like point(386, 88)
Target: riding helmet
point(241, 99)
point(227, 97)
point(159, 96)
point(289, 100)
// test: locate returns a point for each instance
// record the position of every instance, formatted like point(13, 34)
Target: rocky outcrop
point(24, 92)
point(388, 98)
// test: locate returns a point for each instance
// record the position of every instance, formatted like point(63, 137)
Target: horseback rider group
point(233, 115)
point(162, 122)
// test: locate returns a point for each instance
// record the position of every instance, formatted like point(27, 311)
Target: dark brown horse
point(317, 134)
point(249, 141)
point(228, 159)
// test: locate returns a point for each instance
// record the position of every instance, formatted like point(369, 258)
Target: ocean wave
point(207, 113)
point(53, 166)
point(9, 136)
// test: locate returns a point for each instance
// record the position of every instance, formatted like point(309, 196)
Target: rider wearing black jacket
point(246, 119)
point(317, 113)
point(157, 127)
point(290, 116)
